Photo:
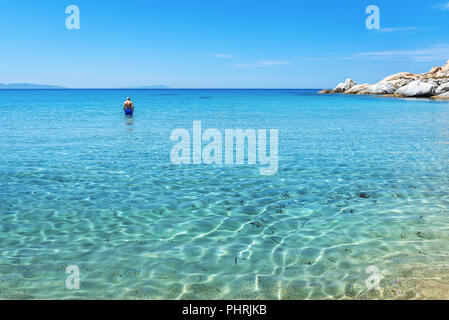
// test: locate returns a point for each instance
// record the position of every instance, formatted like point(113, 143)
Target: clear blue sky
point(218, 43)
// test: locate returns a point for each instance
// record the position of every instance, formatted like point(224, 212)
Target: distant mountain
point(159, 86)
point(28, 86)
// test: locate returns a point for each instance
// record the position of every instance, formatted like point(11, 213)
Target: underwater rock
point(363, 195)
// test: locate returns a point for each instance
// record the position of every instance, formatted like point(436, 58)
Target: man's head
point(128, 99)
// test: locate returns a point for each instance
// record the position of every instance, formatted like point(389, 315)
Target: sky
point(219, 43)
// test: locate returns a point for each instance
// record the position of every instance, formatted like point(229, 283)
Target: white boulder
point(379, 88)
point(357, 88)
point(442, 88)
point(349, 83)
point(340, 88)
point(417, 89)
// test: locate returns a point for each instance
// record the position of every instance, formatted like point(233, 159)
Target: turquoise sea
point(361, 182)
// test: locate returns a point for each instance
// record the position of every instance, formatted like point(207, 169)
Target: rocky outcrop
point(434, 83)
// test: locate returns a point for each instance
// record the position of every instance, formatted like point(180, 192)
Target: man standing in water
point(128, 107)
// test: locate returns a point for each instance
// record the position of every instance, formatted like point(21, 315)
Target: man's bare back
point(128, 104)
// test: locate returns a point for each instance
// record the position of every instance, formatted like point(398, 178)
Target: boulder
point(357, 88)
point(379, 88)
point(325, 91)
point(340, 88)
point(417, 89)
point(442, 88)
point(349, 83)
point(435, 70)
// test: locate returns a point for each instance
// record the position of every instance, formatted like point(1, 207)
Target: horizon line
point(67, 88)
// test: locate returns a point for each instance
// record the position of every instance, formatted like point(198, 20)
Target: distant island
point(433, 84)
point(28, 86)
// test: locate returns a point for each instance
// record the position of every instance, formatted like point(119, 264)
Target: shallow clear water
point(362, 181)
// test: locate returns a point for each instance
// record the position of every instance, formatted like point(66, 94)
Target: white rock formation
point(403, 84)
point(417, 89)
